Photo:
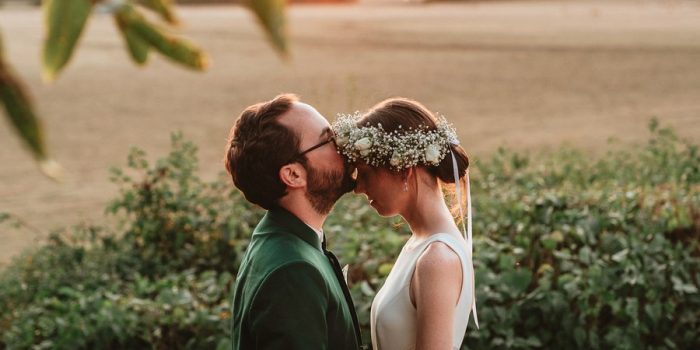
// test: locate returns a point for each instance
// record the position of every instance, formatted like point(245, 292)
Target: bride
point(403, 154)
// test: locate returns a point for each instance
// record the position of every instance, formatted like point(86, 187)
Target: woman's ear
point(293, 175)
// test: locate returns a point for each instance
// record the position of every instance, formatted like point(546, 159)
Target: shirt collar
point(279, 219)
point(318, 232)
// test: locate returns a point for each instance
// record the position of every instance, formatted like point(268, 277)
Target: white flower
point(399, 149)
point(341, 140)
point(395, 159)
point(432, 154)
point(363, 144)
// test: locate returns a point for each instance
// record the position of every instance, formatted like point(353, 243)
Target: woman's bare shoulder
point(438, 260)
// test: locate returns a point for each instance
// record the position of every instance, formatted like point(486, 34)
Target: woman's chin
point(380, 210)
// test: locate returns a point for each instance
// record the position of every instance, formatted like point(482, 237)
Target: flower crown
point(400, 149)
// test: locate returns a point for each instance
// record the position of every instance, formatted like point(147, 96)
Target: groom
point(289, 292)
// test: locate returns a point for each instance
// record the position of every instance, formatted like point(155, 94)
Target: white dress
point(393, 316)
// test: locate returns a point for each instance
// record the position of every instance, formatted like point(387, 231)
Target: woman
point(403, 153)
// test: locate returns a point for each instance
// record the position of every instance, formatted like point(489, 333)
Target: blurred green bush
point(571, 252)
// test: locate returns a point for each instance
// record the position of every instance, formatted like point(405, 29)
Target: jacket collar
point(281, 220)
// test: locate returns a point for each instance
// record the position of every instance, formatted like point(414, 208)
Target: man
point(289, 292)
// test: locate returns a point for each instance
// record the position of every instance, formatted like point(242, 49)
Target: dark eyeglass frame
point(319, 145)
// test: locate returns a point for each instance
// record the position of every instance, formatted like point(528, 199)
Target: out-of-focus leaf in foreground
point(65, 20)
point(139, 29)
point(20, 112)
point(164, 8)
point(138, 48)
point(271, 14)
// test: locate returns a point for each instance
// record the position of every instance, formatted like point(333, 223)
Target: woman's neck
point(427, 212)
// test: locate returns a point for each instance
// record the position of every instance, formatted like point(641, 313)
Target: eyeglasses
point(331, 138)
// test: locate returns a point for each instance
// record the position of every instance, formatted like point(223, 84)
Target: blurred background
point(532, 76)
point(523, 74)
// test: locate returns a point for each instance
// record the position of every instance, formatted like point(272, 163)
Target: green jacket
point(289, 292)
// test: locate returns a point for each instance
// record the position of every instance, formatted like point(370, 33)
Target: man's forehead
point(303, 118)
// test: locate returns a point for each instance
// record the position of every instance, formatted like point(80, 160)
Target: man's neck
point(305, 212)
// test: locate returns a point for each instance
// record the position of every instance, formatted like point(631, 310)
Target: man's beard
point(324, 188)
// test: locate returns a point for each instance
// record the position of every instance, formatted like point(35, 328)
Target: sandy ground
point(529, 75)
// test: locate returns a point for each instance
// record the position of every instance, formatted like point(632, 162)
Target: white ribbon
point(468, 230)
point(110, 6)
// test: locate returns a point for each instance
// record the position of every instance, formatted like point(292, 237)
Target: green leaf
point(271, 15)
point(223, 344)
point(138, 48)
point(533, 341)
point(506, 262)
point(517, 280)
point(544, 268)
point(69, 292)
point(65, 20)
point(620, 256)
point(548, 243)
point(653, 310)
point(20, 111)
point(681, 287)
point(585, 254)
point(384, 269)
point(164, 8)
point(580, 336)
point(367, 289)
point(176, 49)
point(632, 308)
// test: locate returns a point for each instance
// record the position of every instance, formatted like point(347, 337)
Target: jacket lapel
point(346, 292)
point(281, 220)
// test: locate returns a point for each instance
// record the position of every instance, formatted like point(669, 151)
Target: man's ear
point(293, 175)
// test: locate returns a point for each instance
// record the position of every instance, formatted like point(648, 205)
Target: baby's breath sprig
point(399, 149)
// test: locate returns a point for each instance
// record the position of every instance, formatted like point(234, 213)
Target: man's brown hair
point(258, 146)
